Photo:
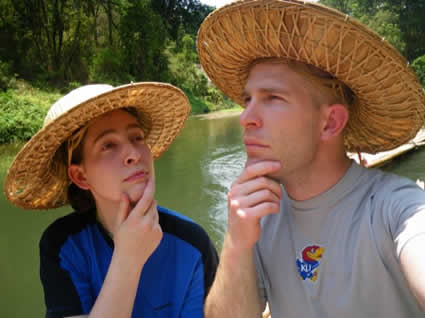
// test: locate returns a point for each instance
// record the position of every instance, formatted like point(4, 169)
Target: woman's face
point(115, 160)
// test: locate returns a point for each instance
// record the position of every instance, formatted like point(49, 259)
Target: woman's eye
point(246, 100)
point(139, 138)
point(108, 145)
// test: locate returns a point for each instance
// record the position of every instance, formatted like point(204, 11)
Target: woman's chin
point(135, 194)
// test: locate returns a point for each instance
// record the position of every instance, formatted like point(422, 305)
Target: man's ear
point(78, 176)
point(336, 116)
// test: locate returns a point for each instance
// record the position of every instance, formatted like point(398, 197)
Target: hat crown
point(73, 99)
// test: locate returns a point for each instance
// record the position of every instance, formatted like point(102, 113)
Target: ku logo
point(308, 265)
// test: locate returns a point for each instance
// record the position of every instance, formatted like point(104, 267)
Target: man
point(309, 231)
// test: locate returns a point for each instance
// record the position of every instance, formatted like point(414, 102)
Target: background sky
point(220, 3)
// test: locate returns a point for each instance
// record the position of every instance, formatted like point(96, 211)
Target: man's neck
point(316, 179)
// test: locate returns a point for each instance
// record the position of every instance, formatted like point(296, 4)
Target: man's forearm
point(235, 287)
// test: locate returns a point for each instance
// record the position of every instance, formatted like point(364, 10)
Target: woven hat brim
point(32, 182)
point(391, 99)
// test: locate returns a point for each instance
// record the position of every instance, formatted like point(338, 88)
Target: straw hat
point(37, 179)
point(391, 104)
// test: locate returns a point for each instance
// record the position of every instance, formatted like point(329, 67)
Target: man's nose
point(251, 116)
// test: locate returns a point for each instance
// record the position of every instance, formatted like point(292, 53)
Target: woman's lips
point(138, 176)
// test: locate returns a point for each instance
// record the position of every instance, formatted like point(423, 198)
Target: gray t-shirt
point(337, 255)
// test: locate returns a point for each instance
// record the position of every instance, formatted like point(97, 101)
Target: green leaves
point(22, 112)
point(400, 22)
point(419, 67)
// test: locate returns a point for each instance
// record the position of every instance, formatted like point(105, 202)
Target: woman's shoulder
point(184, 228)
point(63, 227)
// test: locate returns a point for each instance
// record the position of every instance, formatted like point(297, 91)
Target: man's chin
point(251, 161)
point(274, 175)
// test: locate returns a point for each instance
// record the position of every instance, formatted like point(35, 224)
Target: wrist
point(128, 264)
point(236, 252)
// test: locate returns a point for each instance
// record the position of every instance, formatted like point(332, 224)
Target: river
point(192, 177)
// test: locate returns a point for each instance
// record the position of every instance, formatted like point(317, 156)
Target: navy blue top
point(75, 253)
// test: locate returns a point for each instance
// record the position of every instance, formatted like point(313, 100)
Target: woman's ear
point(78, 176)
point(336, 119)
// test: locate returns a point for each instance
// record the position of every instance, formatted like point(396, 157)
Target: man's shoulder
point(388, 185)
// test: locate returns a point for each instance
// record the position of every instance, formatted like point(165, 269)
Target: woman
point(118, 254)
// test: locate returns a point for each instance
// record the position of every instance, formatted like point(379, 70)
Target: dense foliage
point(400, 22)
point(419, 66)
point(57, 45)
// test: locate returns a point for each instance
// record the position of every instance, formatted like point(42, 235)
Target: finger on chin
point(257, 169)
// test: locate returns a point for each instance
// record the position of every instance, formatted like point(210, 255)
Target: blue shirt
point(75, 253)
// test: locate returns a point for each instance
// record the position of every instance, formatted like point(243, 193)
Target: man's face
point(280, 120)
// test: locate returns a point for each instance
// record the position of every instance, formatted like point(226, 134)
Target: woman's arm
point(116, 298)
point(136, 236)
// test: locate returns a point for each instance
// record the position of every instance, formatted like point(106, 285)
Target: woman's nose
point(132, 154)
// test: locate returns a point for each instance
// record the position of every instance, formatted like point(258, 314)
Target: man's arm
point(412, 260)
point(235, 289)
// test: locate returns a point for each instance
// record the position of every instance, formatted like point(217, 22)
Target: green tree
point(143, 37)
point(401, 22)
point(419, 66)
point(188, 13)
point(385, 23)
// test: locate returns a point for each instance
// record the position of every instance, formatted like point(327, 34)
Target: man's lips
point(137, 176)
point(253, 143)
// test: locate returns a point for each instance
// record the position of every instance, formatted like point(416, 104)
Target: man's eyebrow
point(272, 90)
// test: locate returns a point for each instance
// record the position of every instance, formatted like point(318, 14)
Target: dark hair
point(81, 200)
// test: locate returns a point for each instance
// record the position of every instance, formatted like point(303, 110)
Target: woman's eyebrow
point(111, 131)
point(102, 134)
point(134, 125)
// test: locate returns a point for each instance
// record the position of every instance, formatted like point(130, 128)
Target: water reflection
point(194, 174)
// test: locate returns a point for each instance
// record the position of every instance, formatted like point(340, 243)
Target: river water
point(192, 177)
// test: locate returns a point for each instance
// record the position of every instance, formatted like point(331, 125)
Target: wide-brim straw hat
point(391, 103)
point(37, 178)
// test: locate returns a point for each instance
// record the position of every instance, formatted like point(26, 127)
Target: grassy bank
point(22, 110)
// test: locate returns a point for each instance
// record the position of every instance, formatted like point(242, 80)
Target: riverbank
point(23, 110)
point(221, 113)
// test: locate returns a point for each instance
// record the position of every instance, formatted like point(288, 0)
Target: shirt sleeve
point(61, 296)
point(405, 210)
point(194, 300)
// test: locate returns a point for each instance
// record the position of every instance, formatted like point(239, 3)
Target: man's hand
point(252, 196)
point(137, 232)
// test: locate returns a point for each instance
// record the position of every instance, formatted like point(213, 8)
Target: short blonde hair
point(329, 89)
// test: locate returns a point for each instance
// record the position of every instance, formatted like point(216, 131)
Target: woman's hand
point(137, 232)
